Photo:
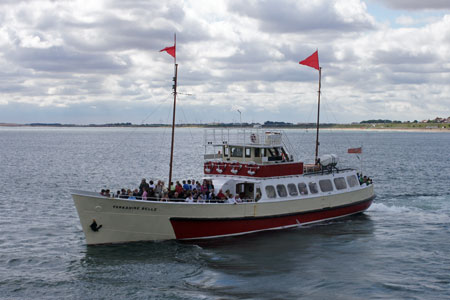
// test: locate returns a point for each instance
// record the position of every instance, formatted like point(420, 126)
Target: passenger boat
point(278, 191)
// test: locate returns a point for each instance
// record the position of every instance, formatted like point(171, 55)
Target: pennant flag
point(312, 61)
point(169, 50)
point(355, 150)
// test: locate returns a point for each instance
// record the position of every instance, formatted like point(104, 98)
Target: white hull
point(125, 220)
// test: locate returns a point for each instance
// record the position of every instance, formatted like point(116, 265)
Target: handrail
point(182, 200)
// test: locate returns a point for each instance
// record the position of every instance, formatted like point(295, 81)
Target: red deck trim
point(195, 228)
point(242, 169)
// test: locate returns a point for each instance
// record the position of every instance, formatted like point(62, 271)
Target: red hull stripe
point(196, 228)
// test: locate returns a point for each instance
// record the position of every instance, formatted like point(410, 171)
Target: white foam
point(413, 213)
point(380, 207)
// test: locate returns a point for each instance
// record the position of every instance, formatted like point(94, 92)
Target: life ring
point(235, 167)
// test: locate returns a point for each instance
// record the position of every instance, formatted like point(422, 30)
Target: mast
point(318, 115)
point(174, 106)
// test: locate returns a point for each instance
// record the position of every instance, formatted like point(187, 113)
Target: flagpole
point(174, 106)
point(318, 116)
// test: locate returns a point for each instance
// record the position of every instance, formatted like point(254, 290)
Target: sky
point(95, 62)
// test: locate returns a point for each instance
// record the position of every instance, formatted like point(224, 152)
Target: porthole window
point(352, 181)
point(303, 189)
point(340, 184)
point(281, 189)
point(313, 188)
point(325, 185)
point(270, 191)
point(292, 189)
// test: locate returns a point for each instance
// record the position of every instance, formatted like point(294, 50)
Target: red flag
point(312, 61)
point(355, 150)
point(170, 50)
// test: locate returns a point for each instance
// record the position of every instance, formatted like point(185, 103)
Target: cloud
point(417, 4)
point(295, 16)
point(62, 58)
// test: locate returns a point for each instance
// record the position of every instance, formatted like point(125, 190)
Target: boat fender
point(94, 226)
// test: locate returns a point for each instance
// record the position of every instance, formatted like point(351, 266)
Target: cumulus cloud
point(417, 4)
point(69, 56)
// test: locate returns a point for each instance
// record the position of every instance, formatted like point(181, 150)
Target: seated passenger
point(220, 195)
point(186, 186)
point(189, 198)
point(178, 188)
point(158, 190)
point(165, 197)
point(144, 194)
point(123, 194)
point(151, 185)
point(231, 199)
point(201, 198)
point(257, 197)
point(237, 199)
point(130, 195)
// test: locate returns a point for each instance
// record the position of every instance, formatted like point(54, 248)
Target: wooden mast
point(173, 118)
point(318, 116)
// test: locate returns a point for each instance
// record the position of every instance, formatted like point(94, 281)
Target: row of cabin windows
point(324, 184)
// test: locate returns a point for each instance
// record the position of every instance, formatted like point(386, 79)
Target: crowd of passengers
point(187, 190)
point(364, 179)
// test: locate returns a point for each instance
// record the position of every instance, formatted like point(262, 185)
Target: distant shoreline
point(325, 127)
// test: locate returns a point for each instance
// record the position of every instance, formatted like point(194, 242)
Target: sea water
point(398, 249)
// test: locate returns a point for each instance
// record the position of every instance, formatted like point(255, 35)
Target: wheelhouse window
point(257, 152)
point(292, 189)
point(270, 191)
point(248, 152)
point(325, 185)
point(281, 189)
point(340, 184)
point(352, 181)
point(303, 189)
point(226, 151)
point(313, 187)
point(236, 151)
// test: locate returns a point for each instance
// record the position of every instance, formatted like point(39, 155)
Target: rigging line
point(186, 120)
point(134, 129)
point(308, 120)
point(346, 137)
point(156, 109)
point(327, 113)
